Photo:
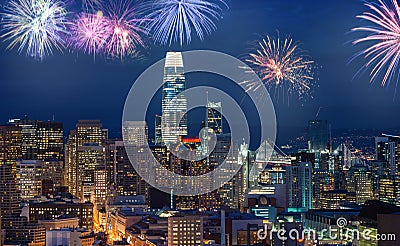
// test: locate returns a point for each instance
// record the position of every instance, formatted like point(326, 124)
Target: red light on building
point(191, 140)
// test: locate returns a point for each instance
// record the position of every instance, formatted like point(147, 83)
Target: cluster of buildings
point(84, 190)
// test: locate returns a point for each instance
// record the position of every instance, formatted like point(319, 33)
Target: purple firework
point(384, 33)
point(126, 29)
point(91, 32)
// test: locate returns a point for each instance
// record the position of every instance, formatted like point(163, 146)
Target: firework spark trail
point(90, 33)
point(35, 25)
point(126, 28)
point(384, 53)
point(176, 20)
point(91, 4)
point(283, 67)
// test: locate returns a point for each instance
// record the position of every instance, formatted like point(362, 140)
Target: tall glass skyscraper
point(317, 135)
point(174, 83)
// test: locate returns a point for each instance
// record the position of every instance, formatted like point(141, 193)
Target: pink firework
point(384, 52)
point(91, 32)
point(126, 30)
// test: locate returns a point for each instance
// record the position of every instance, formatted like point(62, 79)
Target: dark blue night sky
point(73, 86)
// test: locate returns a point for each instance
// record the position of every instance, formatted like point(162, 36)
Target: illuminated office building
point(387, 149)
point(53, 169)
point(100, 185)
point(50, 140)
point(53, 208)
point(10, 145)
point(135, 132)
point(84, 151)
point(10, 196)
point(317, 135)
point(90, 132)
point(389, 190)
point(299, 185)
point(29, 178)
point(332, 199)
point(158, 130)
point(40, 140)
point(121, 174)
point(272, 175)
point(230, 193)
point(17, 229)
point(359, 180)
point(70, 171)
point(174, 120)
point(185, 230)
point(214, 116)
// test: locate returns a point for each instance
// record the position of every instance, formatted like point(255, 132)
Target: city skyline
point(199, 122)
point(65, 79)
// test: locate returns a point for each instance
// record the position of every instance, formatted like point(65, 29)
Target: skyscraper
point(41, 140)
point(299, 184)
point(174, 122)
point(29, 178)
point(359, 180)
point(317, 135)
point(158, 130)
point(84, 151)
point(388, 150)
point(124, 178)
point(230, 191)
point(214, 116)
point(10, 145)
point(135, 132)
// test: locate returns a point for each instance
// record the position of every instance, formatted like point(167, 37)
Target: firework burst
point(91, 4)
point(126, 30)
point(35, 25)
point(90, 33)
point(282, 66)
point(176, 20)
point(384, 34)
